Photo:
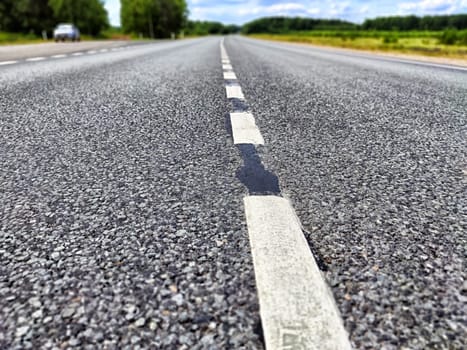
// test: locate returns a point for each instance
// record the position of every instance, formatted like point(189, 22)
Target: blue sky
point(241, 11)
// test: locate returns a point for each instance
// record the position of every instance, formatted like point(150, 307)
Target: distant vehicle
point(66, 31)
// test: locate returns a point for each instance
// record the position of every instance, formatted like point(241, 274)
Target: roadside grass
point(18, 38)
point(413, 42)
point(21, 38)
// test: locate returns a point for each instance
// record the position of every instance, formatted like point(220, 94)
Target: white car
point(66, 31)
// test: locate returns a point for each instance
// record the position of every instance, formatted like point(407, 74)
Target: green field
point(451, 44)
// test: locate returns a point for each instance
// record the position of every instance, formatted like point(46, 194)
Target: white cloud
point(241, 11)
point(279, 9)
point(233, 12)
point(364, 9)
point(432, 6)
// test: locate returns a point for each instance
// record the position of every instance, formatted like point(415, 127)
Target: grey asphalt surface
point(122, 225)
point(372, 154)
point(122, 220)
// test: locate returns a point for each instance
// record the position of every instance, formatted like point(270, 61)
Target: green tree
point(25, 16)
point(153, 18)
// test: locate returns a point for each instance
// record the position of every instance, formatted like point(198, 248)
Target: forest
point(153, 18)
point(279, 25)
point(35, 16)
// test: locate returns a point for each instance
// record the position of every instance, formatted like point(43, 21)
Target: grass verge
point(412, 43)
point(18, 38)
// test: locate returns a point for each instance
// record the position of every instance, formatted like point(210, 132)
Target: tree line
point(210, 28)
point(277, 25)
point(405, 23)
point(35, 16)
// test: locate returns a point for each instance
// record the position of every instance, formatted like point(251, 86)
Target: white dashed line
point(234, 91)
point(78, 54)
point(244, 129)
point(104, 50)
point(92, 52)
point(230, 76)
point(35, 59)
point(296, 306)
point(5, 63)
point(59, 56)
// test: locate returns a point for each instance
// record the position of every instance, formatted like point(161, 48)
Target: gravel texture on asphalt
point(373, 156)
point(121, 217)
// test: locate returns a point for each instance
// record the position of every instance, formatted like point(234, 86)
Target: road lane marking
point(58, 56)
point(92, 52)
point(224, 54)
point(78, 54)
point(244, 129)
point(4, 63)
point(234, 91)
point(230, 76)
point(226, 67)
point(35, 59)
point(296, 306)
point(104, 50)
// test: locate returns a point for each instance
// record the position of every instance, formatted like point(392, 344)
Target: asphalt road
point(122, 222)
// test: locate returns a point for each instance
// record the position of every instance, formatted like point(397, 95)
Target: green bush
point(462, 37)
point(448, 37)
point(390, 39)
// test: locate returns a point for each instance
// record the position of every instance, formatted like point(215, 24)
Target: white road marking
point(296, 306)
point(58, 56)
point(226, 67)
point(4, 63)
point(244, 129)
point(34, 59)
point(77, 54)
point(230, 76)
point(104, 50)
point(234, 91)
point(92, 52)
